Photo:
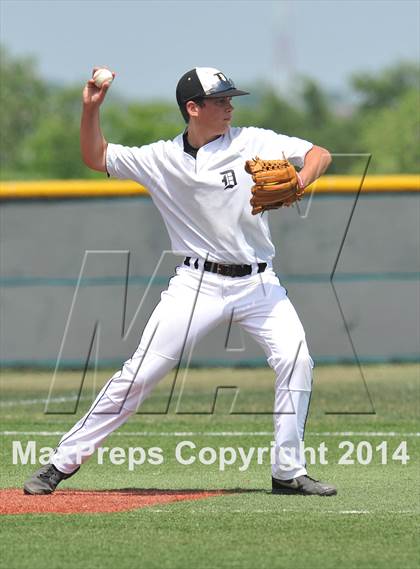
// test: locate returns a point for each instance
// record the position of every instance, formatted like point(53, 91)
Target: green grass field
point(371, 523)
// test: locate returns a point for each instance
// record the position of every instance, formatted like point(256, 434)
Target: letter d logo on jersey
point(229, 179)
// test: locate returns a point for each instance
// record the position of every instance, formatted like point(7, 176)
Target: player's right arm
point(92, 142)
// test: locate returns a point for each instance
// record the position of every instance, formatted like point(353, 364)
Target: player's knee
point(299, 359)
point(293, 371)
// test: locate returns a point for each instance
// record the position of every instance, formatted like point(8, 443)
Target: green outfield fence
point(22, 279)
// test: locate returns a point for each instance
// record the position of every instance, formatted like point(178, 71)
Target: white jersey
point(204, 202)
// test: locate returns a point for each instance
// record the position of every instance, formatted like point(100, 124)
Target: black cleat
point(303, 485)
point(45, 480)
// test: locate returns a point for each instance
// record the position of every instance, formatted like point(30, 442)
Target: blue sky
point(150, 44)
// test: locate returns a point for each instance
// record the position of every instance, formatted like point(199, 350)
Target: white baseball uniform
point(204, 202)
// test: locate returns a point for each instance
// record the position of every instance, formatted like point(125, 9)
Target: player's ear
point(192, 108)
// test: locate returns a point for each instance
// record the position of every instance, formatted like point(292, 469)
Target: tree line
point(39, 121)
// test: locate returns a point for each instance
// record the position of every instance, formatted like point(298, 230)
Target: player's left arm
point(316, 162)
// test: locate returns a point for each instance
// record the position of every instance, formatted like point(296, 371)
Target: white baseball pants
point(194, 303)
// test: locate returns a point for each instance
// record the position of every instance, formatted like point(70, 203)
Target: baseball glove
point(277, 184)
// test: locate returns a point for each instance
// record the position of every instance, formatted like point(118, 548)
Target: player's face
point(216, 114)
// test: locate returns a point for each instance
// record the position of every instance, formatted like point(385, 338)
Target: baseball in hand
point(101, 76)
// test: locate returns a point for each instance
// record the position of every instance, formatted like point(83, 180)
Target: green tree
point(388, 118)
point(326, 125)
point(23, 96)
point(53, 149)
point(269, 110)
point(386, 87)
point(392, 136)
point(135, 124)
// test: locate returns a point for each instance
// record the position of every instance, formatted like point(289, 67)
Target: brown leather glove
point(277, 184)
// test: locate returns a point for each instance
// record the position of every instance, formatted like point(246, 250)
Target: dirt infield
point(14, 501)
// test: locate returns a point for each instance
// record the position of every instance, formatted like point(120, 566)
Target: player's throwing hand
point(92, 93)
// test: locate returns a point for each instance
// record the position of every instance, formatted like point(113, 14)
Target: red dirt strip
point(14, 501)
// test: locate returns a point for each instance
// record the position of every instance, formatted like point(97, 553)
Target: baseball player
point(199, 184)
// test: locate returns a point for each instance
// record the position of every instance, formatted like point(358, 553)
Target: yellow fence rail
point(56, 189)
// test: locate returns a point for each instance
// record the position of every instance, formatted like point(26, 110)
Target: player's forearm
point(316, 163)
point(92, 142)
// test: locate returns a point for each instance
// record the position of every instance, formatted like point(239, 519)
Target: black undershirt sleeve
point(187, 146)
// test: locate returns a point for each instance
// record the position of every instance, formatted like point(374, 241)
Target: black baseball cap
point(207, 83)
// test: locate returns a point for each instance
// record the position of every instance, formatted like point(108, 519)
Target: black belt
point(226, 270)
